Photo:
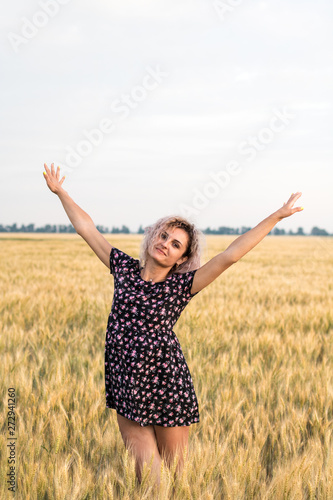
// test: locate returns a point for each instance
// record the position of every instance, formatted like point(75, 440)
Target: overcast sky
point(213, 110)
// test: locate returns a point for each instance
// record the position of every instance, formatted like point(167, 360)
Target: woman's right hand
point(52, 178)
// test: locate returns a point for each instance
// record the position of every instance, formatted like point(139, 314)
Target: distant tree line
point(61, 228)
point(315, 231)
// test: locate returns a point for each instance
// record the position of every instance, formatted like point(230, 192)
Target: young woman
point(147, 379)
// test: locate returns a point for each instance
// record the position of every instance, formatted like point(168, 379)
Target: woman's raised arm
point(244, 243)
point(241, 245)
point(82, 222)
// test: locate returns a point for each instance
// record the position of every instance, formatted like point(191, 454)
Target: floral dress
point(147, 379)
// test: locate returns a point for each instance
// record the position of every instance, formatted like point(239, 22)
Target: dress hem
point(151, 422)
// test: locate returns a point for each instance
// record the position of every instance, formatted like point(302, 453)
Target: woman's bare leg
point(141, 442)
point(169, 441)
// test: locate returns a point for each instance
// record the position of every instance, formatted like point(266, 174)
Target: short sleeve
point(119, 261)
point(186, 282)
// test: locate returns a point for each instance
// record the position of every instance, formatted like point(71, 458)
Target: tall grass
point(258, 342)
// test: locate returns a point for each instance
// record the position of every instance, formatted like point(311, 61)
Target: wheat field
point(258, 343)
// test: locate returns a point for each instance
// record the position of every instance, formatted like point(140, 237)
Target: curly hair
point(194, 248)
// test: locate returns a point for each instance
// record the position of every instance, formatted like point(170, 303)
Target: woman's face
point(170, 245)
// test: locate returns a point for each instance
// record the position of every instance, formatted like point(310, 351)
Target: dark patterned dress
point(147, 379)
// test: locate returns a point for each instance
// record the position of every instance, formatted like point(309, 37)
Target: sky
point(214, 110)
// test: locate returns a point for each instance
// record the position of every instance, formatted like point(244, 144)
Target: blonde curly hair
point(192, 252)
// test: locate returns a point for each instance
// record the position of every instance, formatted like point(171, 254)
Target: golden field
point(258, 342)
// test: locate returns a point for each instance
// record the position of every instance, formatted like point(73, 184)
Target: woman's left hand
point(287, 208)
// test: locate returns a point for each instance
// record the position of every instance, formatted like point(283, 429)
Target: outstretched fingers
point(294, 197)
point(52, 172)
point(287, 208)
point(292, 200)
point(52, 178)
